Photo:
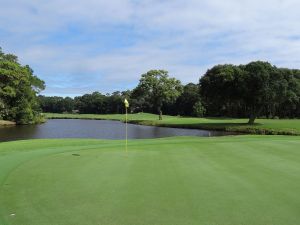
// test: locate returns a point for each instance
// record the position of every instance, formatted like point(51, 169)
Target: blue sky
point(79, 47)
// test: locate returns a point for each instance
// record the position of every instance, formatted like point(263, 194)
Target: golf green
point(241, 180)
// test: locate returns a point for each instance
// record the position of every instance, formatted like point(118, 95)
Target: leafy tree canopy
point(157, 88)
point(254, 86)
point(18, 89)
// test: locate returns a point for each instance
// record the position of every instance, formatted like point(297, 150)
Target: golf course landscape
point(149, 112)
point(169, 181)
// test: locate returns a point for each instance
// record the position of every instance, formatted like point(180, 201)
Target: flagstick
point(126, 104)
point(126, 132)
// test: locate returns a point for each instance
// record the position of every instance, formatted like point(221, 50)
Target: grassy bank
point(174, 181)
point(262, 126)
point(6, 123)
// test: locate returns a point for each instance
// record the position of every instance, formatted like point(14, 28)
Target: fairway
point(242, 180)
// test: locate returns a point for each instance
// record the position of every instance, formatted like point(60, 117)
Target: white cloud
point(184, 37)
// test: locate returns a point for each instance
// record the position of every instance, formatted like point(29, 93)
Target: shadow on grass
point(213, 126)
point(214, 118)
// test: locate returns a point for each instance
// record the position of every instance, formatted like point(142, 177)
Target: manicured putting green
point(244, 180)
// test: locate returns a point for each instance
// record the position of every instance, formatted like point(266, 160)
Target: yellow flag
point(126, 103)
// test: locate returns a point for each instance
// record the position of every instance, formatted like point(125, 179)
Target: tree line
point(94, 103)
point(156, 93)
point(257, 89)
point(97, 103)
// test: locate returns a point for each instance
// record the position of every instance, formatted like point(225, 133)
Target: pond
point(101, 129)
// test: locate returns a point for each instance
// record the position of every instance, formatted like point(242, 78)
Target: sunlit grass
point(173, 181)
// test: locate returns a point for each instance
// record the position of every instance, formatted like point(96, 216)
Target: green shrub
point(198, 109)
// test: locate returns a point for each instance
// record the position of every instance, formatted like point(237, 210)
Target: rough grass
point(242, 180)
point(262, 126)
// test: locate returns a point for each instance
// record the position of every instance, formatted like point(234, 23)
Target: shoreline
point(5, 123)
point(242, 128)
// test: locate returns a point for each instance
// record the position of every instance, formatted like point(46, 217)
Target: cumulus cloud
point(83, 46)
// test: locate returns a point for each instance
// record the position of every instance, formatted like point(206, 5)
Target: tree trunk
point(252, 118)
point(254, 113)
point(159, 113)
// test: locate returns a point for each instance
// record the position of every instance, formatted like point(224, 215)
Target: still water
point(102, 129)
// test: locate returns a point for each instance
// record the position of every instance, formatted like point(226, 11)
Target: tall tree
point(261, 85)
point(18, 90)
point(220, 90)
point(157, 88)
point(186, 101)
point(254, 87)
point(289, 106)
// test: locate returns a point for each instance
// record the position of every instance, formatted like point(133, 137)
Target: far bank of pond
point(100, 129)
point(261, 126)
point(7, 123)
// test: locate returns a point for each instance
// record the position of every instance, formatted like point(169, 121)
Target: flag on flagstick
point(126, 103)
